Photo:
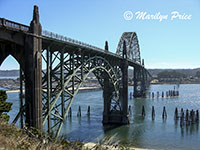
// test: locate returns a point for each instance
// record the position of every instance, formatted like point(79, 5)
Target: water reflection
point(189, 130)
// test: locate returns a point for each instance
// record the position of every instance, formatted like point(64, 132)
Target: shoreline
point(82, 89)
point(92, 146)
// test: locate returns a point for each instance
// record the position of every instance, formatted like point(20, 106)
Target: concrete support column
point(135, 81)
point(107, 98)
point(116, 116)
point(146, 82)
point(33, 73)
point(124, 66)
point(143, 86)
point(107, 92)
point(139, 82)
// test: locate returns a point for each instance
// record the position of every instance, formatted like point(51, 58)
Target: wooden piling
point(182, 118)
point(79, 112)
point(153, 113)
point(174, 93)
point(182, 115)
point(162, 94)
point(177, 93)
point(197, 116)
point(131, 95)
point(88, 111)
point(143, 111)
point(192, 116)
point(187, 116)
point(176, 113)
point(152, 94)
point(181, 111)
point(164, 114)
point(129, 109)
point(70, 112)
point(170, 93)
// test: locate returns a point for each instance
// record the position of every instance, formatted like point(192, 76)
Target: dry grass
point(12, 138)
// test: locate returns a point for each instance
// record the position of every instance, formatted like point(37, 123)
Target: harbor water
point(142, 132)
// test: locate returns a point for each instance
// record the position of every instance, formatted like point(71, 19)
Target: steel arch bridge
point(50, 91)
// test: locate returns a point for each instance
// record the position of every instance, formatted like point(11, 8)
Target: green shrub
point(4, 106)
point(4, 117)
point(3, 95)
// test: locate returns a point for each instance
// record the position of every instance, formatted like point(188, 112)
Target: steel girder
point(64, 74)
point(132, 46)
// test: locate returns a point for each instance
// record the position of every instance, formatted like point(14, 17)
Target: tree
point(4, 106)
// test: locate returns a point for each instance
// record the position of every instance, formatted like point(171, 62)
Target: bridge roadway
point(55, 40)
point(50, 91)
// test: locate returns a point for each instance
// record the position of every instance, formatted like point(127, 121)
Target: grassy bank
point(13, 138)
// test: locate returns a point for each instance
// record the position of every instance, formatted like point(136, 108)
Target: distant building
point(154, 81)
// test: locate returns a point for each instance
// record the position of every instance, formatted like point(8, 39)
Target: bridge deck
point(56, 40)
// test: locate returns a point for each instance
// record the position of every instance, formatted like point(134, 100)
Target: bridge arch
point(132, 46)
point(19, 81)
point(11, 49)
point(71, 85)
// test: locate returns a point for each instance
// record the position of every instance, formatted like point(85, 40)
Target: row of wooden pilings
point(164, 113)
point(79, 112)
point(167, 94)
point(188, 117)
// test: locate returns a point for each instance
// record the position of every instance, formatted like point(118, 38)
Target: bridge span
point(50, 91)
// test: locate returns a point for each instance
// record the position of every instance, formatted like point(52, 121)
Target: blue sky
point(165, 44)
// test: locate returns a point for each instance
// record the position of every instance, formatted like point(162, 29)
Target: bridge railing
point(21, 27)
point(69, 40)
point(12, 24)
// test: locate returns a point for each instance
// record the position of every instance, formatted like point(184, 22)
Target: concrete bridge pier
point(146, 80)
point(116, 117)
point(145, 77)
point(124, 99)
point(139, 82)
point(107, 92)
point(33, 73)
point(107, 100)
